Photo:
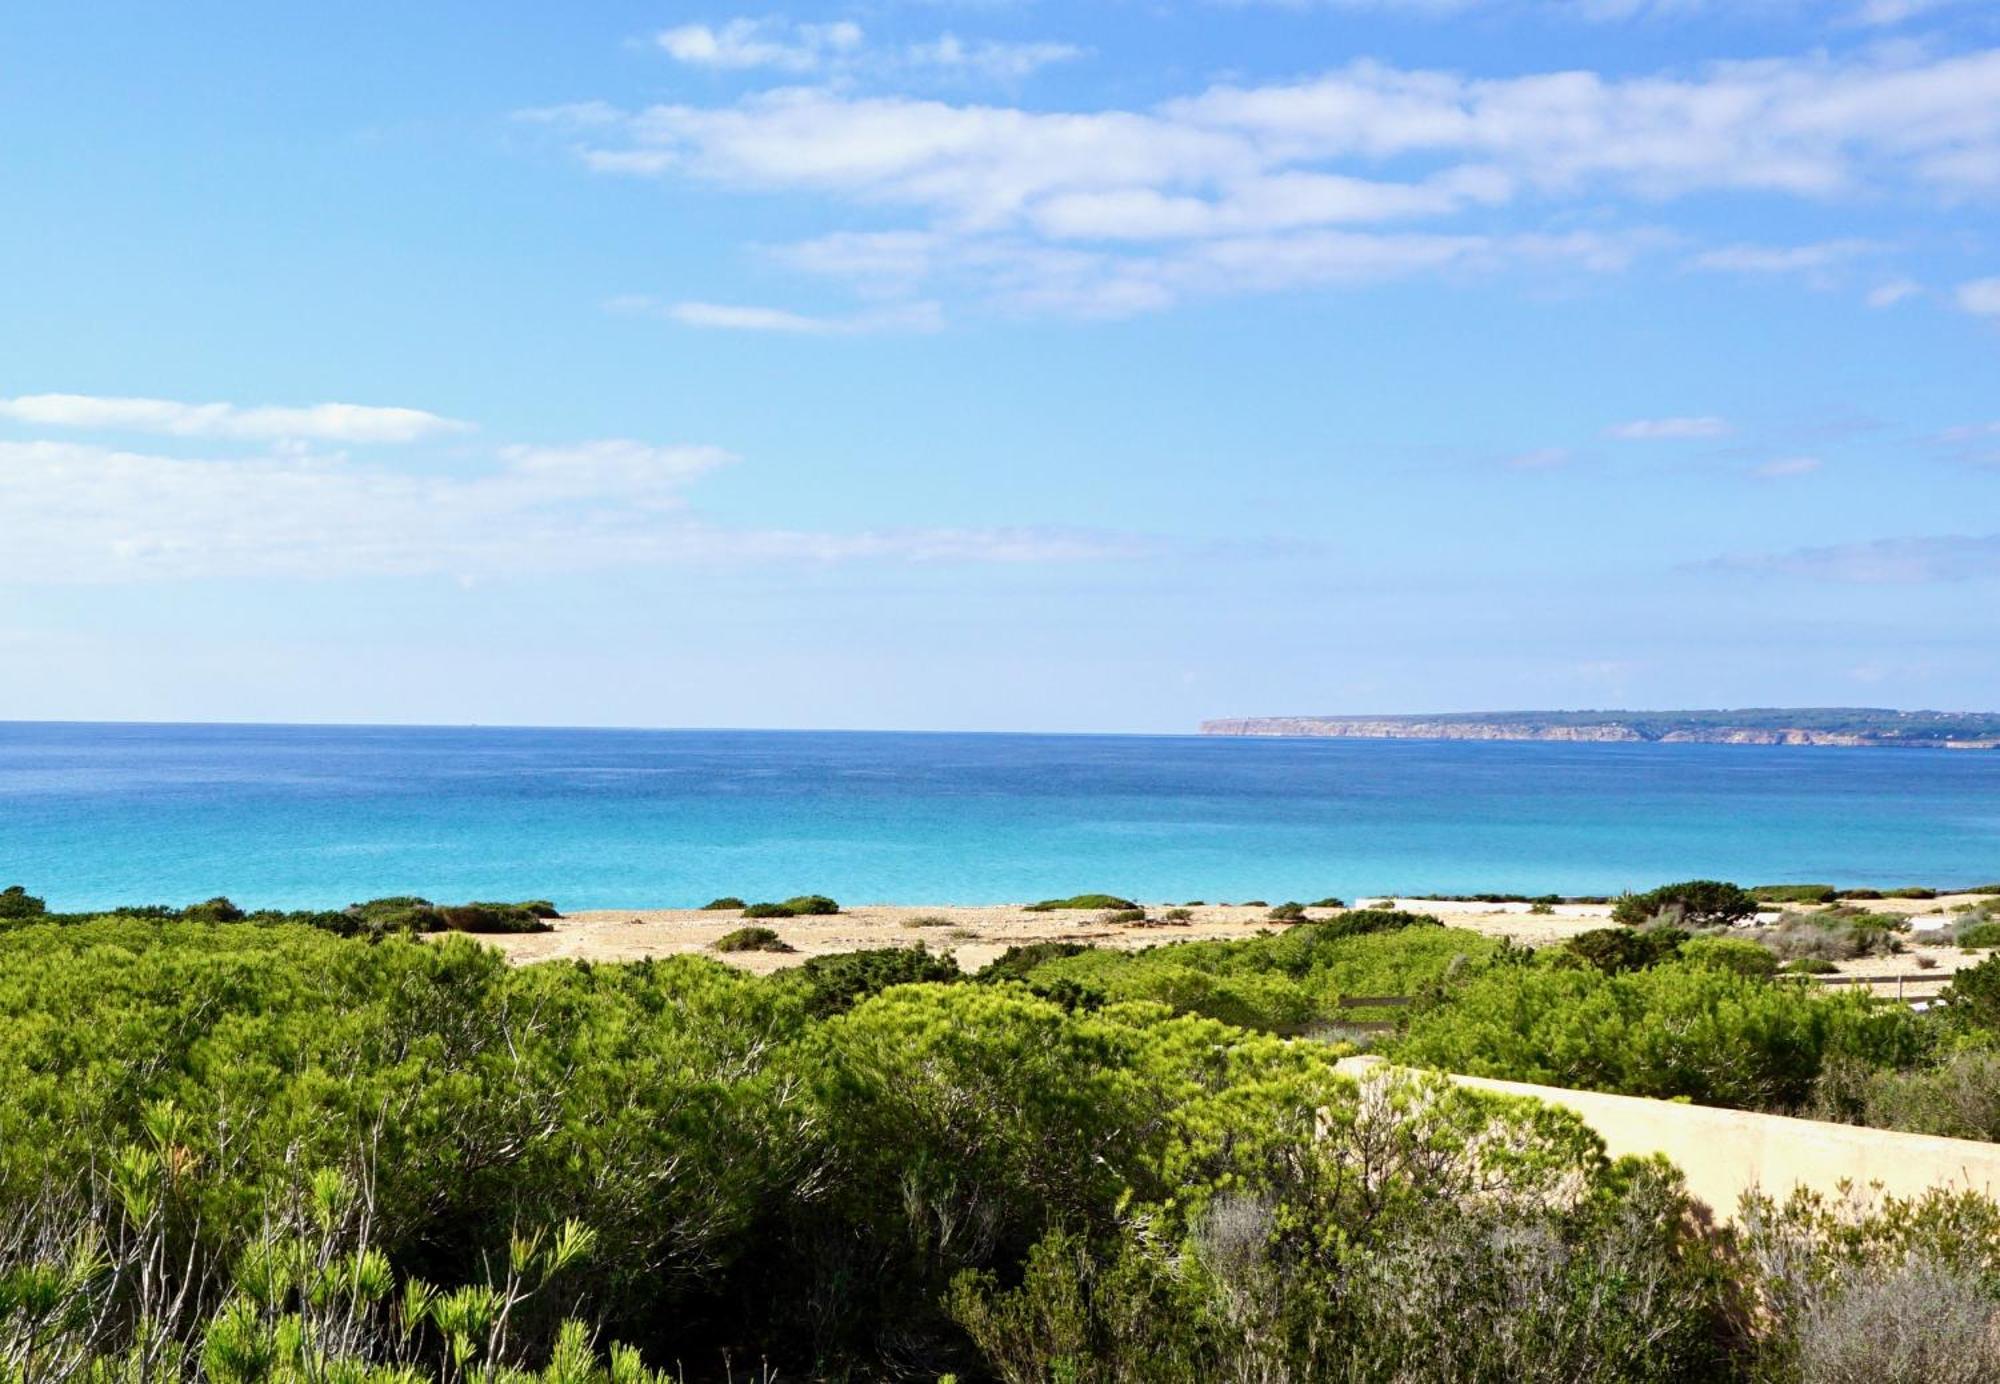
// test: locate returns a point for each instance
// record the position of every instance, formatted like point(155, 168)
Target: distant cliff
point(1849, 726)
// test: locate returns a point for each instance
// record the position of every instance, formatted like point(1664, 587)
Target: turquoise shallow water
point(92, 815)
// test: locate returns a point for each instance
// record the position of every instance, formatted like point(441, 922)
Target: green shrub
point(1288, 913)
point(751, 939)
point(1177, 915)
point(1980, 936)
point(1864, 894)
point(1019, 962)
point(1911, 892)
point(1125, 915)
point(929, 920)
point(1542, 908)
point(16, 903)
point(1794, 893)
point(1973, 997)
point(1729, 954)
point(766, 910)
point(215, 910)
point(1329, 902)
point(492, 918)
point(728, 903)
point(1809, 966)
point(837, 982)
point(1670, 1030)
point(1081, 901)
point(810, 905)
point(1614, 950)
point(1691, 903)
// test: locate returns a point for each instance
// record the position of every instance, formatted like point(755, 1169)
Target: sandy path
point(978, 934)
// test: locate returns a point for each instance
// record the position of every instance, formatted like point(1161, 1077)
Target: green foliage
point(1020, 962)
point(1729, 954)
point(17, 903)
point(1079, 901)
point(1910, 892)
point(1973, 997)
point(1614, 950)
point(253, 1151)
point(804, 905)
point(745, 939)
point(1283, 983)
point(1980, 936)
point(1691, 903)
point(1794, 893)
point(1809, 966)
point(1125, 915)
point(1708, 1034)
point(1288, 913)
point(728, 903)
point(1329, 902)
point(838, 982)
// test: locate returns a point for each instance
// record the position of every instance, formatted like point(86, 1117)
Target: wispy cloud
point(1888, 561)
point(86, 512)
point(742, 44)
point(1981, 297)
point(739, 317)
point(1887, 295)
point(1784, 259)
point(1786, 468)
point(1669, 429)
point(349, 423)
point(1132, 209)
point(1541, 459)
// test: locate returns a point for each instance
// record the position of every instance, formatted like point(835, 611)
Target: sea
point(93, 816)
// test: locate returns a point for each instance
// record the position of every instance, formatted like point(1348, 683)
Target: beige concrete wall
point(1724, 1153)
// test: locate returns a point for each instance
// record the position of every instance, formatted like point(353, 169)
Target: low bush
point(1177, 916)
point(1809, 966)
point(811, 905)
point(1836, 935)
point(836, 983)
point(1729, 954)
point(728, 903)
point(1329, 902)
point(928, 920)
point(215, 910)
point(1972, 999)
point(16, 903)
point(766, 910)
point(1691, 903)
point(1911, 892)
point(1122, 916)
point(1614, 950)
point(1081, 901)
point(492, 918)
point(1020, 962)
point(1980, 936)
point(751, 939)
point(1288, 913)
point(1794, 893)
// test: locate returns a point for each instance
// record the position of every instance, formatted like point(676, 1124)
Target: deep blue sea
point(94, 815)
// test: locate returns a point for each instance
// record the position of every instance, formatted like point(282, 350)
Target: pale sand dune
point(978, 934)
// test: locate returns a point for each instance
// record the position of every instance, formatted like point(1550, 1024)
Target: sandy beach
point(977, 934)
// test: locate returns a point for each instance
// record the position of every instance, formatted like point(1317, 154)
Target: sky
point(1006, 364)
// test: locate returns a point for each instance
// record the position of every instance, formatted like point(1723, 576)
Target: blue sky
point(1093, 366)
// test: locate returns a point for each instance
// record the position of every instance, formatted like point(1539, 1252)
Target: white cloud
point(80, 512)
point(742, 44)
point(994, 59)
point(1887, 295)
point(1128, 209)
point(1784, 259)
point(1541, 459)
point(1669, 429)
point(1981, 297)
point(353, 423)
point(1784, 468)
point(910, 317)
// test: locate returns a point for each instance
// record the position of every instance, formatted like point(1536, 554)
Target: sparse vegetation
point(744, 939)
point(1693, 903)
point(1081, 902)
